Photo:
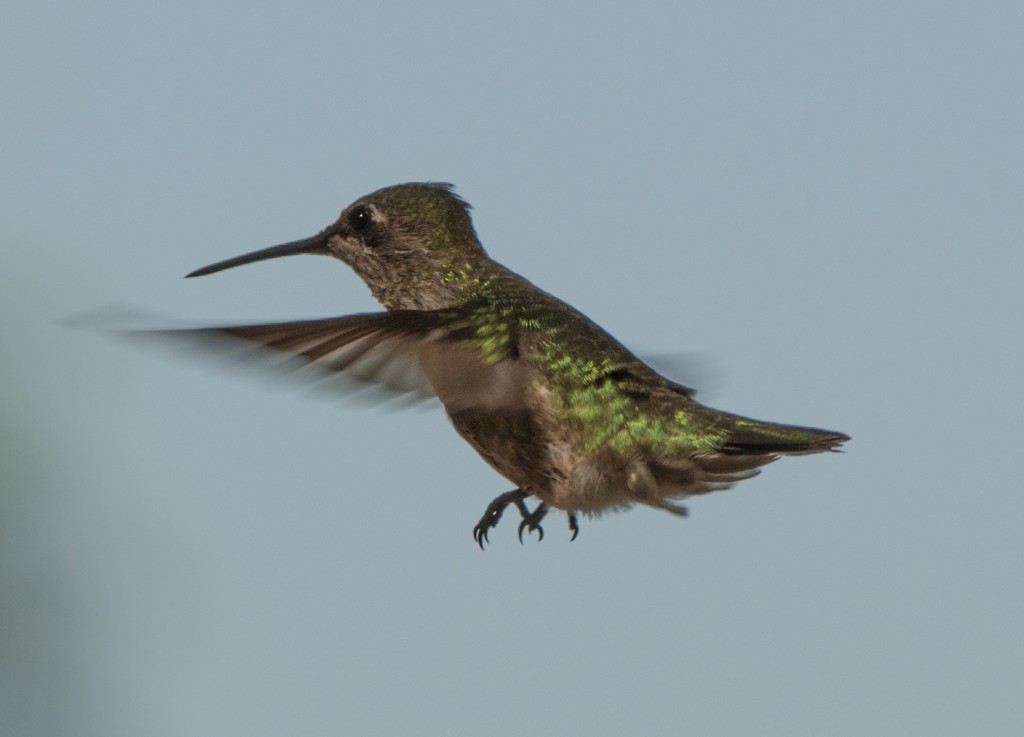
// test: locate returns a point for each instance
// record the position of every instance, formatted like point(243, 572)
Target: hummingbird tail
point(751, 437)
point(743, 446)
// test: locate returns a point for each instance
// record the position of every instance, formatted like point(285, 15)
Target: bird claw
point(492, 515)
point(532, 521)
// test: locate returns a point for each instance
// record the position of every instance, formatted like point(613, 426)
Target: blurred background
point(825, 200)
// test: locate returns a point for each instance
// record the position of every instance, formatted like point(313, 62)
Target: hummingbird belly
point(512, 444)
point(543, 460)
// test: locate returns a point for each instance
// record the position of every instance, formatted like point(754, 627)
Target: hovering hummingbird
point(550, 400)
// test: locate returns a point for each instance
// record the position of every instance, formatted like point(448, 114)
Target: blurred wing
point(402, 351)
point(689, 369)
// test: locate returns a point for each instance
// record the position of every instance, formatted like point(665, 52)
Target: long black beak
point(316, 244)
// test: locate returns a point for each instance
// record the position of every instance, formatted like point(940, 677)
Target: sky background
point(824, 203)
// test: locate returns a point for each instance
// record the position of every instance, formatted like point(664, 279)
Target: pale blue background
point(825, 200)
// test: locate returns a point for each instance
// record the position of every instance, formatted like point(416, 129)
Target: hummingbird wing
point(424, 352)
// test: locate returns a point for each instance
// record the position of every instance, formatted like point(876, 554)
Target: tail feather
point(751, 437)
point(746, 446)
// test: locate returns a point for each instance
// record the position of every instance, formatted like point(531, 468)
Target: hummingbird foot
point(532, 521)
point(493, 514)
point(574, 526)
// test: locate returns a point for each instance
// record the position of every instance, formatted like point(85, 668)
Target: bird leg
point(574, 526)
point(494, 510)
point(530, 523)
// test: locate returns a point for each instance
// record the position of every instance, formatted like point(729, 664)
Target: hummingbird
point(548, 399)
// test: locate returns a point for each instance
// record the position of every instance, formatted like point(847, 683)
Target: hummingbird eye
point(359, 218)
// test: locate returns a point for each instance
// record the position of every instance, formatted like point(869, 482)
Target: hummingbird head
point(413, 244)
